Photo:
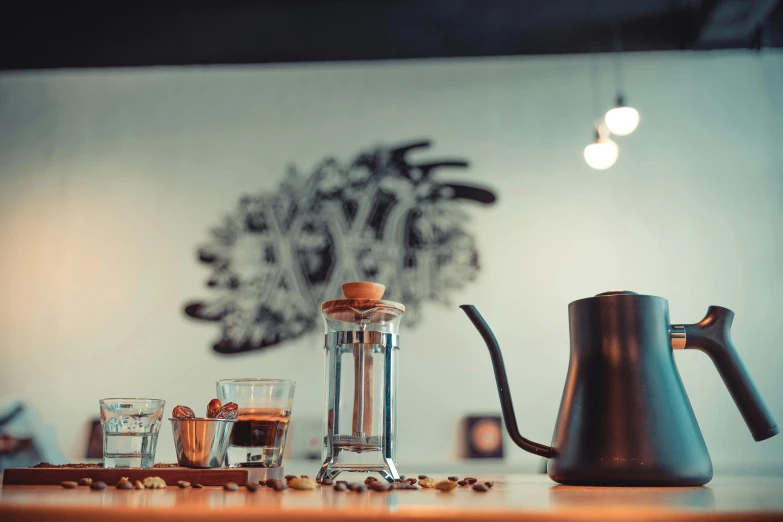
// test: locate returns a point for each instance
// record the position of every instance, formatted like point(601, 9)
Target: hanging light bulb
point(602, 153)
point(622, 120)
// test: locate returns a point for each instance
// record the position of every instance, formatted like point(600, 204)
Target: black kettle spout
point(506, 405)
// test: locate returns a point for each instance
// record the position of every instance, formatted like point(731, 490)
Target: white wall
point(110, 179)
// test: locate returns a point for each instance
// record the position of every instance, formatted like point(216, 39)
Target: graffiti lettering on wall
point(379, 217)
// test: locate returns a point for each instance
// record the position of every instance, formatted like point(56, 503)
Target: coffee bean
point(489, 484)
point(340, 486)
point(85, 481)
point(471, 480)
point(289, 477)
point(251, 487)
point(422, 477)
point(327, 482)
point(481, 488)
point(98, 485)
point(462, 482)
point(183, 484)
point(270, 483)
point(124, 485)
point(262, 482)
point(412, 481)
point(370, 480)
point(352, 486)
point(280, 486)
point(303, 476)
point(68, 484)
point(361, 489)
point(380, 486)
point(197, 486)
point(231, 486)
point(138, 485)
point(454, 479)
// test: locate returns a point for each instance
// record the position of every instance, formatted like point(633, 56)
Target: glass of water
point(130, 431)
point(258, 437)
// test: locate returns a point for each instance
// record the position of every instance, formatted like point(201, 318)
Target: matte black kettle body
point(625, 419)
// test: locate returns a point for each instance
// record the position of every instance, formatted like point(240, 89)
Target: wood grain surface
point(514, 497)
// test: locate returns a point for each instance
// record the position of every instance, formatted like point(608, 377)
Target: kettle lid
point(616, 292)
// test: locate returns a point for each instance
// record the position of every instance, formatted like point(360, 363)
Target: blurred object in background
point(305, 438)
point(483, 437)
point(95, 442)
point(24, 439)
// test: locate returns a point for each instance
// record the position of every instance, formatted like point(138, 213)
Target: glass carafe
point(361, 345)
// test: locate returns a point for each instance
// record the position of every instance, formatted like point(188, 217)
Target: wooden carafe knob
point(363, 290)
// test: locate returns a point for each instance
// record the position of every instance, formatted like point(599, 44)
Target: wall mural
point(379, 217)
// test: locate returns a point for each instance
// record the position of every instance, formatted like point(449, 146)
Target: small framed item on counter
point(482, 436)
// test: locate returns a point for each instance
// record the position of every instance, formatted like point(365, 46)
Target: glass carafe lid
point(362, 309)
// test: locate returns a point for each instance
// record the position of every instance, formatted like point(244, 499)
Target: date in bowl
point(200, 442)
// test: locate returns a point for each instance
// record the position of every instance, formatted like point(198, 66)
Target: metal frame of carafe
point(364, 340)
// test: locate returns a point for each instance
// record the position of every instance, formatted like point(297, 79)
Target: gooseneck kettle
point(625, 419)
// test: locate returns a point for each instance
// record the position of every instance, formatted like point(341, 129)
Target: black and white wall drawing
point(378, 217)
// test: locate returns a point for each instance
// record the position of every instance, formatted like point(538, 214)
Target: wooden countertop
point(514, 497)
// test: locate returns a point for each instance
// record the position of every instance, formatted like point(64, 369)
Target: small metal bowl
point(201, 443)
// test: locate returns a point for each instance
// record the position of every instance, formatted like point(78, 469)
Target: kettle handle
point(712, 335)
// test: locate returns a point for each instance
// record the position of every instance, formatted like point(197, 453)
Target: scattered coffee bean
point(340, 486)
point(412, 481)
point(270, 483)
point(302, 483)
point(124, 485)
point(462, 482)
point(471, 480)
point(68, 484)
point(352, 486)
point(454, 479)
point(154, 483)
point(138, 485)
point(489, 484)
point(327, 482)
point(446, 485)
point(422, 477)
point(98, 485)
point(85, 481)
point(183, 484)
point(289, 477)
point(427, 482)
point(304, 476)
point(379, 486)
point(280, 486)
point(231, 486)
point(197, 486)
point(262, 482)
point(370, 480)
point(361, 489)
point(481, 488)
point(251, 487)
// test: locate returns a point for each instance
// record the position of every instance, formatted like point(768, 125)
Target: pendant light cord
point(595, 81)
point(617, 49)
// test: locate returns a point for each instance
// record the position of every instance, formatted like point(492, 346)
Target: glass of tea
point(258, 437)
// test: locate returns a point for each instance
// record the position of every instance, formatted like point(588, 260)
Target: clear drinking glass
point(264, 410)
point(130, 431)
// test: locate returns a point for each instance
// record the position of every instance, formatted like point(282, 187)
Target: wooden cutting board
point(53, 476)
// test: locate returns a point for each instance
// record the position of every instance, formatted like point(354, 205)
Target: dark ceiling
point(36, 35)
